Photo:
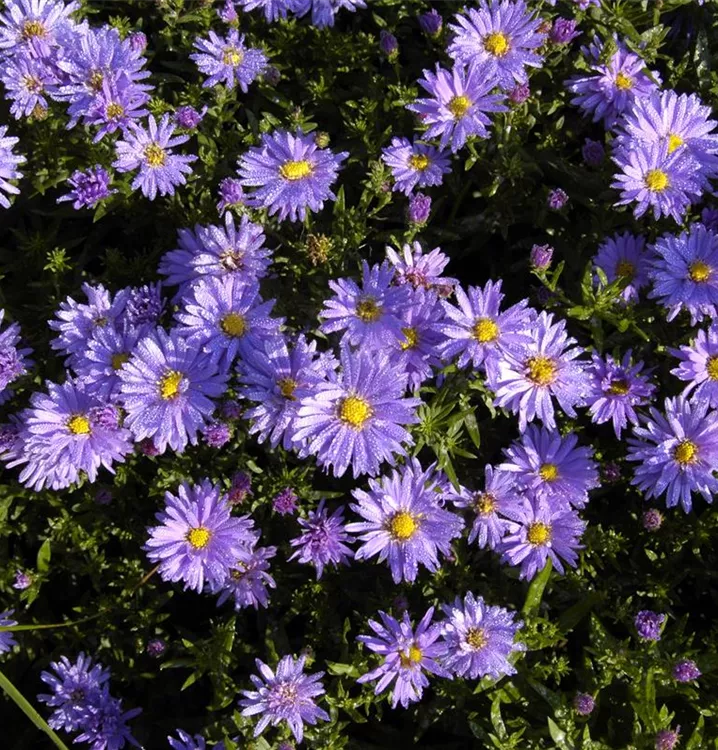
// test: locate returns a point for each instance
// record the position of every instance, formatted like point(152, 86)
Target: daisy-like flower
point(357, 417)
point(684, 272)
point(403, 522)
point(273, 9)
point(489, 524)
point(615, 389)
point(323, 539)
point(228, 60)
point(652, 178)
point(415, 164)
point(143, 308)
point(531, 375)
point(370, 315)
point(477, 332)
point(198, 540)
point(167, 390)
point(273, 374)
point(8, 166)
point(479, 639)
point(457, 104)
point(34, 25)
point(26, 80)
point(7, 640)
point(13, 359)
point(623, 257)
point(421, 270)
point(88, 188)
point(699, 366)
point(503, 35)
point(225, 317)
point(150, 151)
point(291, 174)
point(552, 467)
point(230, 194)
point(677, 452)
point(105, 726)
point(287, 696)
point(541, 531)
point(613, 85)
point(324, 11)
point(408, 655)
point(185, 741)
point(68, 431)
point(248, 579)
point(116, 106)
point(648, 624)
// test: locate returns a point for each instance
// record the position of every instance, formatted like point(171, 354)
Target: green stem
point(29, 711)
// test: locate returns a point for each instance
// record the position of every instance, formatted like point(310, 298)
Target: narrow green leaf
point(43, 557)
point(536, 589)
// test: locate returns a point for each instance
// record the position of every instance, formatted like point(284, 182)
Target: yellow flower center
point(541, 370)
point(485, 330)
point(538, 533)
point(402, 526)
point(232, 56)
point(419, 162)
point(32, 84)
point(412, 338)
point(199, 537)
point(674, 142)
point(623, 82)
point(155, 155)
point(485, 503)
point(97, 78)
point(368, 310)
point(699, 271)
point(118, 360)
point(287, 386)
point(625, 270)
point(413, 656)
point(619, 387)
point(79, 425)
point(234, 325)
point(549, 472)
point(296, 170)
point(115, 110)
point(686, 452)
point(170, 385)
point(31, 29)
point(476, 638)
point(656, 180)
point(712, 368)
point(458, 106)
point(355, 411)
point(496, 44)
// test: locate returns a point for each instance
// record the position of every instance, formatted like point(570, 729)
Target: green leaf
point(559, 736)
point(536, 589)
point(43, 557)
point(695, 741)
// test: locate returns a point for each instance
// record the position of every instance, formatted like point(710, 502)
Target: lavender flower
point(557, 199)
point(323, 540)
point(519, 93)
point(285, 502)
point(699, 366)
point(431, 22)
point(14, 360)
point(188, 117)
point(22, 581)
point(105, 726)
point(247, 580)
point(419, 209)
point(563, 31)
point(540, 257)
point(240, 488)
point(8, 166)
point(667, 739)
point(649, 624)
point(144, 307)
point(216, 434)
point(34, 25)
point(227, 59)
point(7, 640)
point(230, 194)
point(685, 670)
point(623, 257)
point(422, 271)
point(273, 9)
point(415, 164)
point(652, 520)
point(88, 187)
point(388, 44)
point(583, 704)
point(26, 80)
point(185, 741)
point(156, 647)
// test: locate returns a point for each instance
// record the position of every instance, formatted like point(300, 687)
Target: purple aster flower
point(26, 80)
point(247, 580)
point(273, 9)
point(324, 11)
point(7, 640)
point(14, 360)
point(415, 164)
point(291, 173)
point(563, 31)
point(188, 117)
point(144, 307)
point(677, 453)
point(649, 624)
point(216, 434)
point(274, 375)
point(667, 739)
point(150, 151)
point(489, 525)
point(684, 272)
point(22, 581)
point(388, 44)
point(231, 194)
point(358, 416)
point(615, 388)
point(77, 688)
point(138, 41)
point(8, 166)
point(419, 209)
point(557, 199)
point(479, 639)
point(228, 13)
point(593, 152)
point(64, 434)
point(88, 188)
point(198, 540)
point(431, 22)
point(698, 365)
point(458, 103)
point(105, 727)
point(227, 60)
point(403, 522)
point(285, 503)
point(685, 670)
point(225, 317)
point(541, 531)
point(369, 315)
point(623, 257)
point(167, 390)
point(116, 106)
point(287, 696)
point(531, 375)
point(408, 655)
point(477, 332)
point(34, 25)
point(651, 177)
point(323, 540)
point(421, 270)
point(519, 93)
point(652, 520)
point(583, 704)
point(540, 257)
point(552, 467)
point(108, 350)
point(501, 34)
point(156, 647)
point(613, 85)
point(185, 741)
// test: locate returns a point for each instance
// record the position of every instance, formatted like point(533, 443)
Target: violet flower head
point(388, 44)
point(216, 434)
point(541, 256)
point(623, 256)
point(431, 22)
point(519, 93)
point(667, 739)
point(649, 624)
point(652, 520)
point(248, 578)
point(685, 670)
point(583, 704)
point(228, 60)
point(22, 581)
point(557, 199)
point(9, 162)
point(421, 270)
point(419, 209)
point(88, 188)
point(415, 164)
point(240, 488)
point(188, 117)
point(156, 647)
point(34, 26)
point(230, 193)
point(14, 358)
point(563, 31)
point(323, 540)
point(285, 502)
point(7, 640)
point(698, 365)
